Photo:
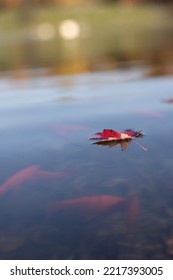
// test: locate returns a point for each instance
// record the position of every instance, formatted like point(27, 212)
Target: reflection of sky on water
point(39, 128)
point(96, 105)
point(29, 111)
point(73, 83)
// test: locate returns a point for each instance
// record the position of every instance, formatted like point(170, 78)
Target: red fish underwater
point(168, 100)
point(26, 174)
point(18, 178)
point(90, 207)
point(134, 211)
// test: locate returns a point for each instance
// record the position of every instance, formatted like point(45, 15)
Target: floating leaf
point(111, 138)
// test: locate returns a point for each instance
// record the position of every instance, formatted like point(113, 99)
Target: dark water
point(44, 129)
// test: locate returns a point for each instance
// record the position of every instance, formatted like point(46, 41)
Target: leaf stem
point(145, 149)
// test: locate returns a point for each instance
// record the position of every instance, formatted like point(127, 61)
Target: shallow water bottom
point(62, 197)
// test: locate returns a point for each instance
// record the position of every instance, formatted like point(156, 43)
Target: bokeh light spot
point(69, 29)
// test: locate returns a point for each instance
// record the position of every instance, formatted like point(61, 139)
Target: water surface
point(46, 123)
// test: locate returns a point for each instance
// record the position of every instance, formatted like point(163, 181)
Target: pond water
point(62, 197)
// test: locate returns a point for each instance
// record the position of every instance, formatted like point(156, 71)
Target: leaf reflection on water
point(124, 143)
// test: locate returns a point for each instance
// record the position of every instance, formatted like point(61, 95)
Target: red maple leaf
point(133, 133)
point(109, 135)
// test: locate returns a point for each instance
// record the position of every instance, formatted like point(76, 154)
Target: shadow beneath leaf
point(113, 143)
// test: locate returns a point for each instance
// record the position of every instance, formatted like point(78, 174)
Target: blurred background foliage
point(69, 36)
